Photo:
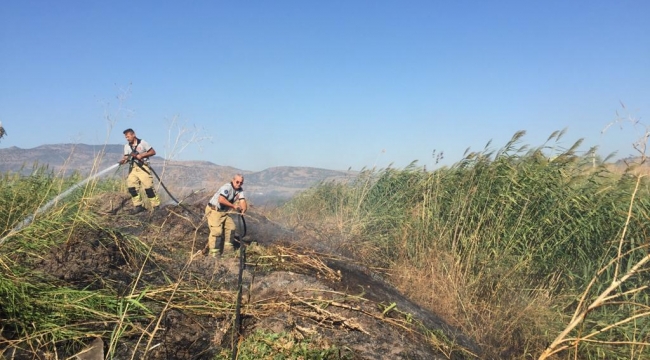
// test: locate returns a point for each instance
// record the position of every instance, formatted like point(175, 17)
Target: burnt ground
point(291, 283)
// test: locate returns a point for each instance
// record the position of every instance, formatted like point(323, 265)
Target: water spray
point(50, 203)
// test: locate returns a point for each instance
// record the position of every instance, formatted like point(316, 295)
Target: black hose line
point(242, 266)
point(243, 225)
point(163, 185)
point(238, 316)
point(169, 193)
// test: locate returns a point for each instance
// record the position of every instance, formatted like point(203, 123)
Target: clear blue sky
point(329, 84)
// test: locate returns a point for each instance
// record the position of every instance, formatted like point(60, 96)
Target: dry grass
point(437, 286)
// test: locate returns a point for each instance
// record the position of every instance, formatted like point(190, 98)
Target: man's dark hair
point(129, 130)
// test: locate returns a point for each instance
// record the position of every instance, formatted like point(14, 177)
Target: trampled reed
point(43, 314)
point(39, 311)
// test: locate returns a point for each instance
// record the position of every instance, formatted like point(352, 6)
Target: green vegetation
point(513, 246)
point(35, 309)
point(280, 346)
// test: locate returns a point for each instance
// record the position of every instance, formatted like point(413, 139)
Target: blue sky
point(329, 84)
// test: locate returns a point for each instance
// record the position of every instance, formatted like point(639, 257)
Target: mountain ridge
point(181, 176)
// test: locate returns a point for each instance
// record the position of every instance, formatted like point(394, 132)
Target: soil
point(289, 283)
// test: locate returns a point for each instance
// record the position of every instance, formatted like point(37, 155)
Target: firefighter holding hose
point(137, 153)
point(228, 199)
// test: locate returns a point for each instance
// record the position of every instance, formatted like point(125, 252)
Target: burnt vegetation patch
point(156, 295)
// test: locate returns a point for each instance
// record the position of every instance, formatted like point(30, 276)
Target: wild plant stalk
point(179, 137)
point(604, 299)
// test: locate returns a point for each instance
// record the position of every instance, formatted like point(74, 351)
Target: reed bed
point(506, 244)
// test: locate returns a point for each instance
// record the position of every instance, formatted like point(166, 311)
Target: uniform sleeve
point(127, 150)
point(241, 195)
point(214, 200)
point(226, 191)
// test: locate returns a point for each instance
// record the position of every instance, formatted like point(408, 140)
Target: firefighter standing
point(137, 153)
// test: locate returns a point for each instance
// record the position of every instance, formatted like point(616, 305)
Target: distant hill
point(180, 177)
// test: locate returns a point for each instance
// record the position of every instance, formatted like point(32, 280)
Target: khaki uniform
point(219, 220)
point(137, 177)
point(140, 175)
point(219, 223)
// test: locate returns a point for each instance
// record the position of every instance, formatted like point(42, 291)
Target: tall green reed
point(517, 223)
